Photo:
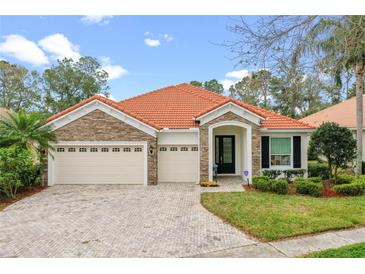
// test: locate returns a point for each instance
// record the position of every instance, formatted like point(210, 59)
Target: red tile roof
point(178, 106)
point(343, 114)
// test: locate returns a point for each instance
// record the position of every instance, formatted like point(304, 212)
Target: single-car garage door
point(99, 164)
point(178, 163)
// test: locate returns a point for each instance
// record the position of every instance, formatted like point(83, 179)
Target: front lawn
point(272, 217)
point(349, 251)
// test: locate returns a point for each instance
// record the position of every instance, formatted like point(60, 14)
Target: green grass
point(272, 217)
point(349, 251)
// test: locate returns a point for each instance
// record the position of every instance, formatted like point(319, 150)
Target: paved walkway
point(114, 221)
point(293, 247)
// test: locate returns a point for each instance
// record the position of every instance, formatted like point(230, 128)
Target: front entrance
point(225, 154)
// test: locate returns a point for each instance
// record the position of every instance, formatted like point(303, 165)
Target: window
point(71, 149)
point(115, 149)
point(163, 148)
point(94, 149)
point(184, 149)
point(137, 149)
point(280, 151)
point(126, 149)
point(82, 149)
point(173, 148)
point(104, 149)
point(60, 149)
point(194, 149)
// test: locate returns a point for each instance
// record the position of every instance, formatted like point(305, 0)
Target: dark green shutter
point(265, 152)
point(297, 154)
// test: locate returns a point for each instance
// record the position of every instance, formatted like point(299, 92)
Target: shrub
point(16, 169)
point(315, 179)
point(353, 189)
point(261, 183)
point(318, 170)
point(272, 173)
point(280, 186)
point(9, 184)
point(344, 179)
point(293, 173)
point(308, 188)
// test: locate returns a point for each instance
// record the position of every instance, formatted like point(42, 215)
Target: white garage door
point(178, 163)
point(99, 165)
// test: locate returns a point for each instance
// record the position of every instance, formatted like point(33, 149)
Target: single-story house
point(343, 114)
point(179, 133)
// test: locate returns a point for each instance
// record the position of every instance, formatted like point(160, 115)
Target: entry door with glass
point(225, 154)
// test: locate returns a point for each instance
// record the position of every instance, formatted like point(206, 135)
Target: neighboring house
point(173, 134)
point(3, 113)
point(343, 114)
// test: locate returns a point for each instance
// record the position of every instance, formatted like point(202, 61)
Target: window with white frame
point(163, 148)
point(71, 149)
point(115, 149)
point(94, 149)
point(173, 148)
point(137, 149)
point(126, 149)
point(104, 149)
point(194, 149)
point(82, 149)
point(184, 149)
point(280, 151)
point(60, 149)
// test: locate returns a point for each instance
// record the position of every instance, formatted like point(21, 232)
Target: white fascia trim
point(51, 160)
point(247, 154)
point(183, 130)
point(230, 106)
point(267, 130)
point(98, 105)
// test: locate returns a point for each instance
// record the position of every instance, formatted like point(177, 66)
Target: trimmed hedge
point(304, 186)
point(318, 170)
point(272, 173)
point(315, 179)
point(265, 184)
point(261, 183)
point(343, 179)
point(353, 189)
point(280, 186)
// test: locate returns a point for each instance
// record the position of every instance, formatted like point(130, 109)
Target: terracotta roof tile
point(343, 113)
point(178, 106)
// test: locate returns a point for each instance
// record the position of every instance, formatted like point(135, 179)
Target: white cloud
point(168, 37)
point(238, 74)
point(227, 83)
point(114, 71)
point(152, 42)
point(101, 20)
point(23, 49)
point(60, 47)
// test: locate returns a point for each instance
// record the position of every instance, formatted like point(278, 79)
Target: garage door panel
point(179, 165)
point(100, 167)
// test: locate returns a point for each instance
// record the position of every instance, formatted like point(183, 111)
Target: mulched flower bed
point(328, 191)
point(22, 193)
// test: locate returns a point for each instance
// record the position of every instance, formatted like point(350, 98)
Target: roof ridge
point(197, 94)
point(145, 93)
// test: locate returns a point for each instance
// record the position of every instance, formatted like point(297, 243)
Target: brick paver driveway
point(114, 221)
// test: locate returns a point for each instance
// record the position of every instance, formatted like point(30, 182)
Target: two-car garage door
point(100, 164)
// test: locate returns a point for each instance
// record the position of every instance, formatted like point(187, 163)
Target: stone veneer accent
point(204, 155)
point(99, 126)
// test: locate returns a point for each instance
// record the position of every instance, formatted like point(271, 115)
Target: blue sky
point(141, 53)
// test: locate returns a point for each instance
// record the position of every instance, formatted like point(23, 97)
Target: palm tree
point(26, 131)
